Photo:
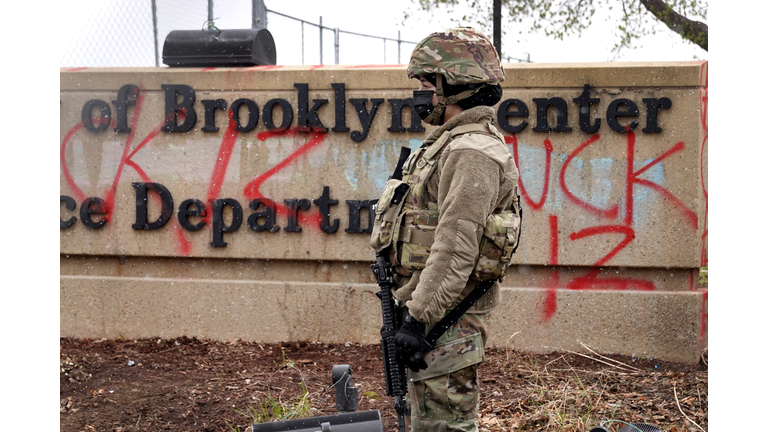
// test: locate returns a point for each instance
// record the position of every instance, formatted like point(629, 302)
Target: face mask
point(422, 102)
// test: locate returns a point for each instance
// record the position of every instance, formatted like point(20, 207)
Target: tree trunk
point(694, 31)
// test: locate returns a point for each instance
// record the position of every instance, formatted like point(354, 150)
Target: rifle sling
point(454, 315)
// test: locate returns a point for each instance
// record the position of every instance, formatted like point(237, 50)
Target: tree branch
point(694, 31)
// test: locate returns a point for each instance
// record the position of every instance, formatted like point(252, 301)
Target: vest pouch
point(500, 236)
point(386, 221)
point(415, 237)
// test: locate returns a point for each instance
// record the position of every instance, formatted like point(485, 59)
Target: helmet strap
point(438, 114)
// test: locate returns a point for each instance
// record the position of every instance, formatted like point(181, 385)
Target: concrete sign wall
point(232, 203)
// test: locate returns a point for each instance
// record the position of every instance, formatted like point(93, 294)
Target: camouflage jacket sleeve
point(468, 191)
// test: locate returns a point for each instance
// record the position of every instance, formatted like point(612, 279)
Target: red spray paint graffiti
point(703, 106)
point(629, 235)
point(592, 279)
point(633, 179)
point(550, 302)
point(79, 195)
point(252, 191)
point(222, 162)
point(548, 166)
point(126, 159)
point(611, 212)
point(217, 177)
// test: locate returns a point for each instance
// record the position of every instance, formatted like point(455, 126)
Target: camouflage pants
point(445, 397)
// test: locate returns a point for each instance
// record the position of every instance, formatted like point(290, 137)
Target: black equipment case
point(214, 47)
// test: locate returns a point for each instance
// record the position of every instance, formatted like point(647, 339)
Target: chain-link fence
point(125, 33)
point(117, 33)
point(130, 33)
point(323, 45)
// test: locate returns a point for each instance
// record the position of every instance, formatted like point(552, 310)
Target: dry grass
point(577, 392)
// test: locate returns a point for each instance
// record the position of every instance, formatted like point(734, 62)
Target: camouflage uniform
point(473, 176)
point(446, 396)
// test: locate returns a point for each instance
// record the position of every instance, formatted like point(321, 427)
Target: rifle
point(394, 373)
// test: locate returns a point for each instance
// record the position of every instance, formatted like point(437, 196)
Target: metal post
point(385, 51)
point(154, 29)
point(321, 40)
point(258, 14)
point(497, 26)
point(302, 42)
point(398, 47)
point(210, 10)
point(336, 43)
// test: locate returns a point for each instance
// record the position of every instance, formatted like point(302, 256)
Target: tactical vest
point(407, 220)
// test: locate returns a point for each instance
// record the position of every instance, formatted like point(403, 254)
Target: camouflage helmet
point(462, 55)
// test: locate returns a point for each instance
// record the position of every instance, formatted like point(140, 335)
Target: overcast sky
point(120, 32)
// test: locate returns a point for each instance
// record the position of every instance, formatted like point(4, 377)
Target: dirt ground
point(199, 385)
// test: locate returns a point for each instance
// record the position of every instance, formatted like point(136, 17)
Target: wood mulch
point(202, 385)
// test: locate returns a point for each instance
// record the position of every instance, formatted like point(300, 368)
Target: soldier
point(459, 178)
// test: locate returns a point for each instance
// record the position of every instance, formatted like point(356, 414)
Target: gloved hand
point(409, 342)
